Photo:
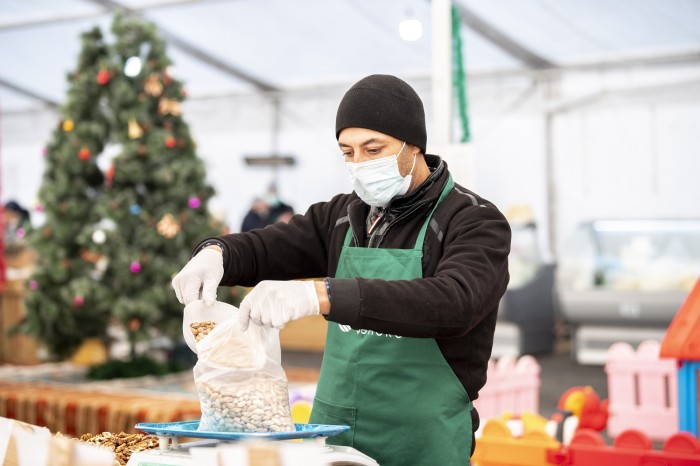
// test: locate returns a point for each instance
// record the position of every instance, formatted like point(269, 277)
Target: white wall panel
point(632, 161)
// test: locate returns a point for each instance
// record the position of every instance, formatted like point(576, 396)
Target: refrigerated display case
point(526, 313)
point(624, 280)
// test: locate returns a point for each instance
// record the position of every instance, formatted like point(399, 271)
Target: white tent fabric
point(307, 43)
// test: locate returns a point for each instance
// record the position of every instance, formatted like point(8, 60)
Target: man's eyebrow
point(366, 143)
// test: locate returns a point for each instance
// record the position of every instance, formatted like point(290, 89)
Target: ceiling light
point(410, 29)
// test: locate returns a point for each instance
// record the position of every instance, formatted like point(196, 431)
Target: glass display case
point(526, 314)
point(525, 257)
point(624, 280)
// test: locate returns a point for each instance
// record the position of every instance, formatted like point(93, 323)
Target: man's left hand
point(274, 303)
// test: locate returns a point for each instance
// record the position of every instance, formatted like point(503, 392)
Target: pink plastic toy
point(642, 391)
point(512, 386)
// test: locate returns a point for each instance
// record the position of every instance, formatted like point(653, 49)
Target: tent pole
point(441, 11)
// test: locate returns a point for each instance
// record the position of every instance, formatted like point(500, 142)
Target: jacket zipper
point(376, 227)
point(372, 236)
point(380, 232)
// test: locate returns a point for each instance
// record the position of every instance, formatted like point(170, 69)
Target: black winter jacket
point(465, 267)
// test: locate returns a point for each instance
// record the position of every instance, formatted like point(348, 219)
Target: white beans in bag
point(239, 377)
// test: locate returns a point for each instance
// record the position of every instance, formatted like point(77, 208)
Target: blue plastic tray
point(189, 429)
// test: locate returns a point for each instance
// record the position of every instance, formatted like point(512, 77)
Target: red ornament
point(84, 154)
point(170, 142)
point(134, 324)
point(109, 176)
point(78, 300)
point(103, 77)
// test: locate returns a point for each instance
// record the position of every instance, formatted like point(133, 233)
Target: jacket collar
point(437, 167)
point(402, 207)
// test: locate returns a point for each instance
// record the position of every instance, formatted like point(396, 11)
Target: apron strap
point(348, 236)
point(445, 191)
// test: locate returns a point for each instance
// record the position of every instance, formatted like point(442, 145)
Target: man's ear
point(415, 150)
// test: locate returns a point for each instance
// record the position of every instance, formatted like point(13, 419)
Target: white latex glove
point(203, 272)
point(274, 303)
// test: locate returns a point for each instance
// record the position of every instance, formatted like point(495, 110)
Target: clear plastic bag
point(239, 377)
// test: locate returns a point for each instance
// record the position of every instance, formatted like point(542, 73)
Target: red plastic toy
point(584, 403)
point(631, 448)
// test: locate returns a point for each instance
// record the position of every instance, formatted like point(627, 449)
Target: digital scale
point(173, 453)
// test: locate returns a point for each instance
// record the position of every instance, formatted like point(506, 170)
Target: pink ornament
point(79, 300)
point(44, 151)
point(33, 285)
point(20, 233)
point(39, 207)
point(135, 267)
point(194, 202)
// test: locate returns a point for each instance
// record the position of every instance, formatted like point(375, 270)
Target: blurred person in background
point(280, 211)
point(17, 223)
point(257, 217)
point(414, 265)
point(264, 212)
point(283, 214)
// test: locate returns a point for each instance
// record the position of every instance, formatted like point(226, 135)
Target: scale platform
point(173, 453)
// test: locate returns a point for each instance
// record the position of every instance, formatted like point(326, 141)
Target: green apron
point(403, 402)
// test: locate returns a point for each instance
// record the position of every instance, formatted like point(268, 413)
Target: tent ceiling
point(228, 46)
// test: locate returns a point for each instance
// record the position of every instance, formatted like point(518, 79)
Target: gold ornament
point(89, 256)
point(68, 125)
point(90, 353)
point(168, 226)
point(153, 86)
point(169, 106)
point(135, 130)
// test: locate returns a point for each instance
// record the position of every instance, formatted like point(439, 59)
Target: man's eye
point(373, 151)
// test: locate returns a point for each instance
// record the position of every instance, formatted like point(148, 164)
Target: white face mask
point(377, 182)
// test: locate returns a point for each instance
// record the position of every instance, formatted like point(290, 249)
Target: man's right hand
point(203, 272)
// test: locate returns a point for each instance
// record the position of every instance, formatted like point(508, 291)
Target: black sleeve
point(282, 251)
point(470, 279)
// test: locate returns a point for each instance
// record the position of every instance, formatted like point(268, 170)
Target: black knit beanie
point(386, 104)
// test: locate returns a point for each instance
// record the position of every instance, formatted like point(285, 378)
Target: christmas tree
point(64, 307)
point(157, 192)
point(137, 225)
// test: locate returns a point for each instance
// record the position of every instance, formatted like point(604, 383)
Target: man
point(415, 266)
point(257, 217)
